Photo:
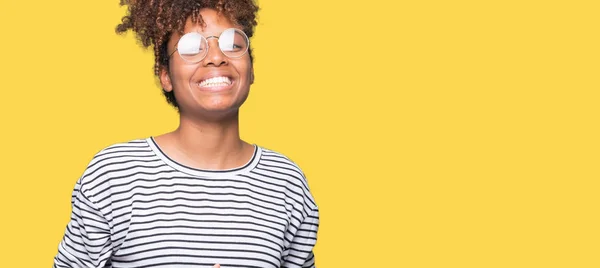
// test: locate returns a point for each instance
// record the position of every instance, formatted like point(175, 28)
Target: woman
point(197, 196)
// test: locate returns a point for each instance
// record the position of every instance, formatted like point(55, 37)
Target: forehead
point(213, 23)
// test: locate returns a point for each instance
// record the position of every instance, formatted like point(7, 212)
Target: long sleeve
point(300, 252)
point(87, 240)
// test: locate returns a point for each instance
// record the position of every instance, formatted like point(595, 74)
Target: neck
point(207, 144)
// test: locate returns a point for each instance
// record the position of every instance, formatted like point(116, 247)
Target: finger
point(217, 266)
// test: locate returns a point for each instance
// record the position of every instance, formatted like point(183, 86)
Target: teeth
point(215, 81)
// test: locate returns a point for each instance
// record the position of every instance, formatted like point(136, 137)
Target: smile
point(219, 81)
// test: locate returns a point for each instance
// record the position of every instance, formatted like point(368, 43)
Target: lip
point(196, 83)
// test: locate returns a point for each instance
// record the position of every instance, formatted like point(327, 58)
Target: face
point(217, 85)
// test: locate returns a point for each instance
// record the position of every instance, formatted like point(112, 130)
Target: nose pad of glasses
point(214, 47)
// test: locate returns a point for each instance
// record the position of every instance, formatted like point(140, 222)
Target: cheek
point(245, 71)
point(242, 65)
point(181, 74)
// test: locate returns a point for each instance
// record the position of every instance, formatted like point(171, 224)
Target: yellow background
point(433, 133)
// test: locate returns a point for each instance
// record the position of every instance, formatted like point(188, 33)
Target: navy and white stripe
point(136, 207)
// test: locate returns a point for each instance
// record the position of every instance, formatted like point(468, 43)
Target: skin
point(208, 133)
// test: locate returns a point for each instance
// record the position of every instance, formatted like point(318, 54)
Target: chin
point(217, 106)
point(217, 110)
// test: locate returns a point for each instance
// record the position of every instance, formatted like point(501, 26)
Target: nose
point(215, 56)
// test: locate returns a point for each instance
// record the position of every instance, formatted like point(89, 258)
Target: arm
point(87, 241)
point(300, 252)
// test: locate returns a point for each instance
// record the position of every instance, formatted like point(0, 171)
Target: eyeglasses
point(193, 47)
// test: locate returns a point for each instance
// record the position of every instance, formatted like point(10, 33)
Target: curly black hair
point(153, 22)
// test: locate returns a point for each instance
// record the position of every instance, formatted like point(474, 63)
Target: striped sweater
point(136, 207)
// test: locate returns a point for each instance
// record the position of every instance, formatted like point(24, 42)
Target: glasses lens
point(192, 47)
point(233, 42)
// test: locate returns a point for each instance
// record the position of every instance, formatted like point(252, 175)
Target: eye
point(191, 43)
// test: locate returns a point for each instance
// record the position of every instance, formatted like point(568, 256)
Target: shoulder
point(122, 147)
point(276, 160)
point(113, 158)
point(280, 165)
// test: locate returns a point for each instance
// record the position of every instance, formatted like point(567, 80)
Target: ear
point(165, 80)
point(252, 76)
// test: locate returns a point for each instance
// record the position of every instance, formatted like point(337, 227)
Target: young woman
point(197, 196)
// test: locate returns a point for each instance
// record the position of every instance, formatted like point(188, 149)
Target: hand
point(217, 266)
